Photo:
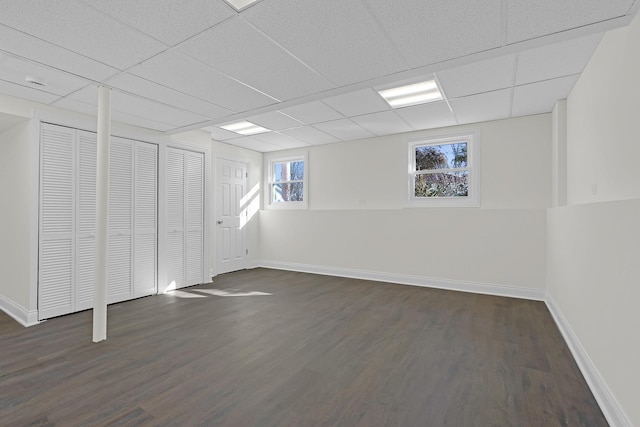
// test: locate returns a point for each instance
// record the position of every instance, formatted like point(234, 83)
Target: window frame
point(472, 168)
point(270, 204)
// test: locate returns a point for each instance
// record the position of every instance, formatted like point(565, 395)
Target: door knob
point(219, 222)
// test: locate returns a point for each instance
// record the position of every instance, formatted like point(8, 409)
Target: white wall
point(15, 223)
point(356, 219)
point(604, 122)
point(593, 248)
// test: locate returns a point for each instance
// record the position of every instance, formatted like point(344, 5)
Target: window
point(442, 171)
point(287, 182)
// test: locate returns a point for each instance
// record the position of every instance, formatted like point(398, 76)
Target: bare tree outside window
point(441, 170)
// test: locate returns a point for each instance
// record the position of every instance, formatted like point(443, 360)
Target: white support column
point(102, 215)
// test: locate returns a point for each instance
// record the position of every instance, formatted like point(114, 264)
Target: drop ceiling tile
point(357, 103)
point(483, 107)
point(310, 135)
point(153, 111)
point(427, 116)
point(56, 82)
point(221, 134)
point(528, 19)
point(312, 112)
point(143, 122)
point(239, 50)
point(169, 21)
point(117, 116)
point(185, 74)
point(280, 140)
point(145, 88)
point(430, 31)
point(540, 97)
point(133, 110)
point(81, 29)
point(344, 129)
point(24, 92)
point(251, 143)
point(353, 49)
point(274, 120)
point(483, 76)
point(382, 123)
point(43, 52)
point(556, 60)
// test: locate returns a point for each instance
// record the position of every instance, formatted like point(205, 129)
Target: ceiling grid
point(308, 71)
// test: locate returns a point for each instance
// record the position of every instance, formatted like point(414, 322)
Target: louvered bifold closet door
point(57, 218)
point(175, 218)
point(145, 225)
point(86, 223)
point(194, 243)
point(119, 264)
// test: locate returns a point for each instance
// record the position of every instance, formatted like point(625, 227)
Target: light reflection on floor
point(198, 293)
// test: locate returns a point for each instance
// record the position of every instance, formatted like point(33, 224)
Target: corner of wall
point(609, 405)
point(18, 313)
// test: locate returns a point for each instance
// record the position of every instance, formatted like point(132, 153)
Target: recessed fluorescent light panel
point(240, 4)
point(413, 94)
point(244, 128)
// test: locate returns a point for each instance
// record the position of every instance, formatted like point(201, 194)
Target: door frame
point(214, 264)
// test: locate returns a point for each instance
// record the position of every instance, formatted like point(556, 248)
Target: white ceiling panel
point(72, 104)
point(154, 111)
point(344, 129)
point(80, 28)
point(536, 98)
point(169, 21)
point(358, 103)
point(528, 19)
point(310, 135)
point(185, 74)
point(221, 134)
point(556, 60)
point(56, 82)
point(251, 143)
point(236, 48)
point(41, 51)
point(274, 120)
point(24, 92)
point(145, 88)
point(280, 140)
point(427, 116)
point(312, 112)
point(483, 107)
point(134, 120)
point(382, 123)
point(430, 31)
point(352, 49)
point(483, 76)
point(131, 107)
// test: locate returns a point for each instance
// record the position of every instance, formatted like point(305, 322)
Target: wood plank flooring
point(319, 351)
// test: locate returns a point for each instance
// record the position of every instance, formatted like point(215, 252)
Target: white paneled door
point(68, 220)
point(185, 218)
point(232, 215)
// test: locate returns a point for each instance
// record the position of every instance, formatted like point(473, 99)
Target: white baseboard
point(19, 313)
point(610, 407)
point(405, 279)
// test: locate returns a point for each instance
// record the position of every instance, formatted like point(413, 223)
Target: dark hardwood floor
point(319, 351)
